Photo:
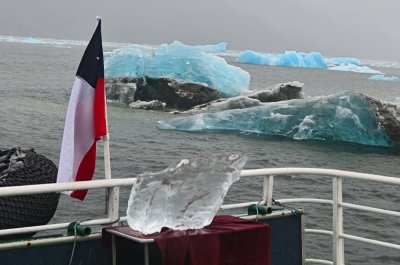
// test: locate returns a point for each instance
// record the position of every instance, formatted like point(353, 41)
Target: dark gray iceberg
point(346, 116)
point(175, 94)
point(168, 93)
point(278, 92)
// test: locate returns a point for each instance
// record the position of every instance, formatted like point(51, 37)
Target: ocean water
point(35, 84)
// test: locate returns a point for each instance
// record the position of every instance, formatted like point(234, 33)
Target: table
point(226, 240)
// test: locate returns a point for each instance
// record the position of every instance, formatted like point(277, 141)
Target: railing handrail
point(118, 182)
point(268, 173)
point(323, 172)
point(58, 187)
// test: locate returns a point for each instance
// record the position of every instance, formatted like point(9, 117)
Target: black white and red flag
point(86, 121)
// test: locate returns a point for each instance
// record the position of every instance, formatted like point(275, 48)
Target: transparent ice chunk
point(186, 195)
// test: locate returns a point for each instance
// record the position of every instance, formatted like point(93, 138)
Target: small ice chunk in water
point(186, 195)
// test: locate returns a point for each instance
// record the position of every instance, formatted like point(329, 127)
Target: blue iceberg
point(178, 61)
point(7, 38)
point(384, 78)
point(342, 60)
point(348, 67)
point(287, 59)
point(305, 60)
point(40, 41)
point(31, 40)
point(214, 48)
point(346, 116)
point(129, 61)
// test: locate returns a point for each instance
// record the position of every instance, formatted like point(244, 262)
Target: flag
point(86, 121)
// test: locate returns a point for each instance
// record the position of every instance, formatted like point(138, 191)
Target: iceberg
point(175, 94)
point(214, 48)
point(384, 78)
point(130, 61)
point(9, 39)
point(178, 61)
point(346, 116)
point(287, 59)
point(305, 60)
point(278, 92)
point(186, 195)
point(148, 105)
point(238, 102)
point(348, 67)
point(342, 60)
point(31, 40)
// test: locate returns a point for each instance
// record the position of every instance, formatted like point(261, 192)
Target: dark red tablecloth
point(227, 240)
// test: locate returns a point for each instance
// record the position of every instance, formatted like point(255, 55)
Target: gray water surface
point(35, 84)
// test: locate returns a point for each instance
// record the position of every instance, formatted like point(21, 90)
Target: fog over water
point(361, 28)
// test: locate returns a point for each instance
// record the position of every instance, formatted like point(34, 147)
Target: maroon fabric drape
point(227, 240)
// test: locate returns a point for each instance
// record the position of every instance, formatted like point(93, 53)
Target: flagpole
point(106, 145)
point(112, 194)
point(106, 138)
point(107, 162)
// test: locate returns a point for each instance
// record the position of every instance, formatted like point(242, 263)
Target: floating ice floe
point(305, 60)
point(178, 61)
point(342, 60)
point(278, 92)
point(214, 48)
point(348, 67)
point(186, 195)
point(346, 116)
point(287, 59)
point(384, 78)
point(38, 41)
point(175, 94)
point(7, 38)
point(148, 105)
point(31, 40)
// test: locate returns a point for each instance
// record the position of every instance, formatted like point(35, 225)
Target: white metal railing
point(112, 205)
point(269, 173)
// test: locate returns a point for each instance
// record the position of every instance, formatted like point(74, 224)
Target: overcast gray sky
point(365, 29)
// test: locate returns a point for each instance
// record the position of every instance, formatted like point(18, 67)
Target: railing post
point(337, 217)
point(268, 190)
point(113, 204)
point(112, 194)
